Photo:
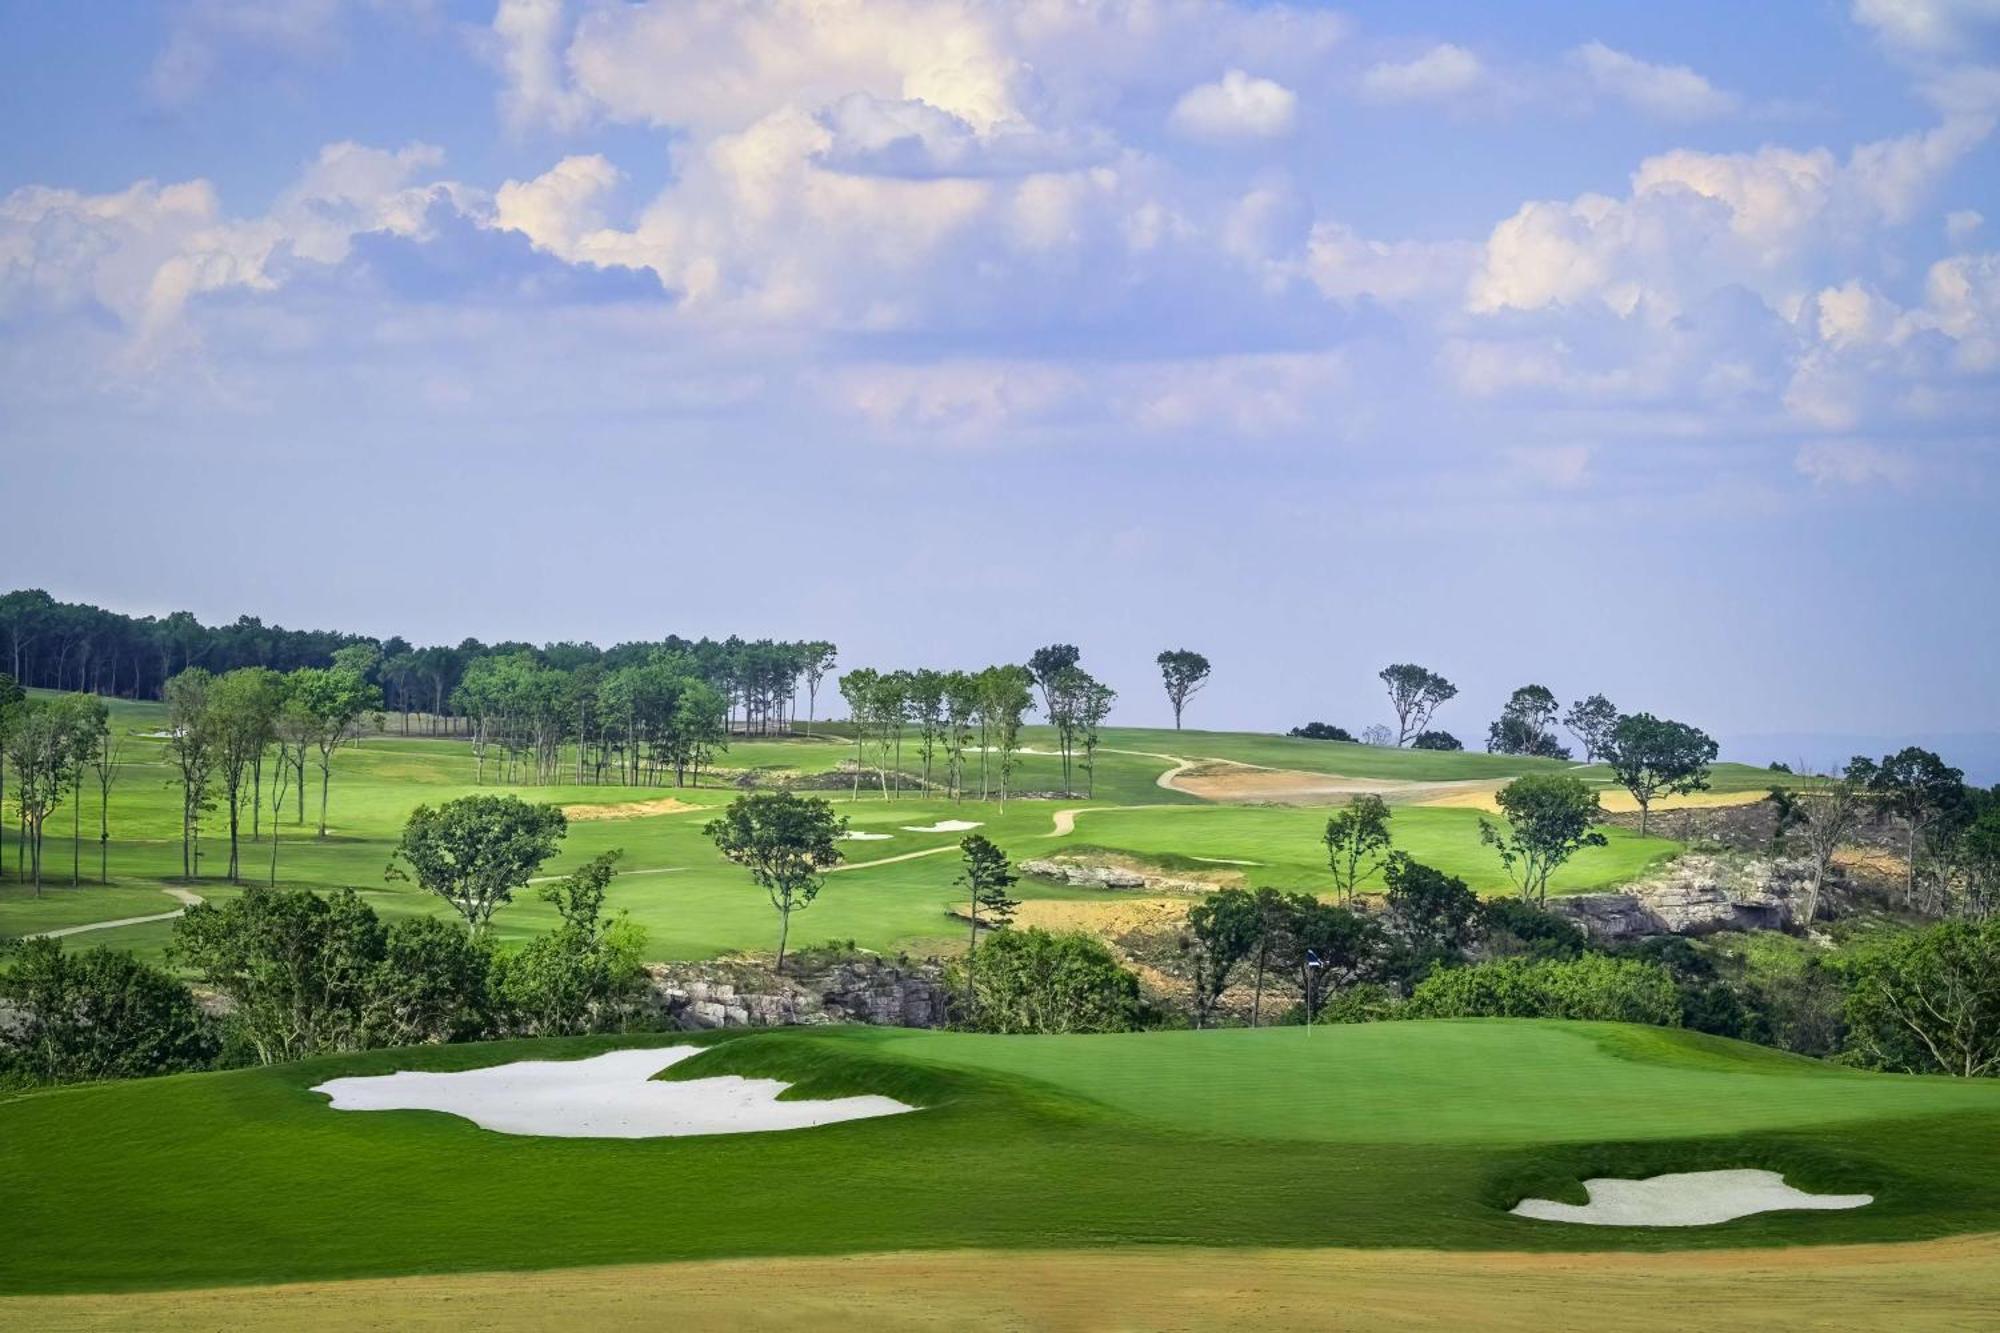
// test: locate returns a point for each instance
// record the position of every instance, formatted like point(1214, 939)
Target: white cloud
point(1444, 72)
point(202, 32)
point(1927, 27)
point(1235, 107)
point(1962, 224)
point(1671, 92)
point(1696, 221)
point(1852, 463)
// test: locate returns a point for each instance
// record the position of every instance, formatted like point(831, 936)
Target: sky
point(1650, 350)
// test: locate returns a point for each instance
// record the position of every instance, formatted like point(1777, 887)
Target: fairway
point(895, 893)
point(1394, 1134)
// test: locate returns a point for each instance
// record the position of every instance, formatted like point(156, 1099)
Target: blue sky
point(1643, 349)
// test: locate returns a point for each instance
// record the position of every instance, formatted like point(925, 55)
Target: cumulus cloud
point(1236, 106)
point(1444, 72)
point(1670, 92)
point(1928, 27)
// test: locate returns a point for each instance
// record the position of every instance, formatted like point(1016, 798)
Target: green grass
point(1285, 843)
point(1411, 1134)
point(692, 904)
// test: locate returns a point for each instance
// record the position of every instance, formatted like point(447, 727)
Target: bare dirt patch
point(1925, 1285)
point(1242, 785)
point(665, 805)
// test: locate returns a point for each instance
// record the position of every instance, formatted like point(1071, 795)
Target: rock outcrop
point(1086, 875)
point(852, 990)
point(1695, 895)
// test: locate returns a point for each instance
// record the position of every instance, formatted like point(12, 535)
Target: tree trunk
point(784, 931)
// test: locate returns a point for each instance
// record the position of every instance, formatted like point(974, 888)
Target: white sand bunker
point(609, 1096)
point(944, 826)
point(854, 835)
point(1686, 1199)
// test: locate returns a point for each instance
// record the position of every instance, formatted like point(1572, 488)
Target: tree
point(1929, 1002)
point(1436, 740)
point(1004, 701)
point(335, 698)
point(925, 705)
point(1183, 672)
point(1357, 843)
point(1094, 702)
point(584, 975)
point(819, 657)
point(431, 983)
point(243, 706)
point(87, 723)
point(1326, 947)
point(13, 701)
point(1035, 981)
point(1526, 725)
point(281, 779)
point(1550, 817)
point(105, 760)
point(786, 842)
point(1433, 911)
point(1919, 789)
point(985, 880)
point(1652, 757)
point(1591, 721)
point(1415, 693)
point(96, 1015)
point(296, 967)
point(1321, 731)
point(1045, 664)
point(1827, 811)
point(191, 744)
point(49, 744)
point(1223, 930)
point(861, 688)
point(961, 706)
point(1274, 923)
point(474, 852)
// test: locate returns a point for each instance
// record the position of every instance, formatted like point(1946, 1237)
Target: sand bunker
point(1686, 1199)
point(944, 826)
point(609, 1096)
point(855, 835)
point(666, 805)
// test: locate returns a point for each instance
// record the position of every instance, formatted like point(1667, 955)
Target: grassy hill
point(694, 905)
point(1405, 1134)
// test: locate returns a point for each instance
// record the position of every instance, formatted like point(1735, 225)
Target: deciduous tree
point(985, 879)
point(1357, 843)
point(1526, 725)
point(1653, 757)
point(1183, 672)
point(1415, 693)
point(787, 843)
point(1591, 721)
point(474, 852)
point(1550, 817)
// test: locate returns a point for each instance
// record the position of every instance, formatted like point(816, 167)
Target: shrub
point(1035, 981)
point(1321, 731)
point(1510, 928)
point(583, 975)
point(1436, 740)
point(1929, 1002)
point(97, 1014)
point(429, 985)
point(1594, 986)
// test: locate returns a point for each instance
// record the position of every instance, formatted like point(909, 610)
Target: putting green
point(1397, 1134)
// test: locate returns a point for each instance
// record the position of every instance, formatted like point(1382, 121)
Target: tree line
point(73, 646)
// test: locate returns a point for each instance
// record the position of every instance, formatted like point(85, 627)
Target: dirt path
point(1941, 1284)
point(891, 860)
point(182, 896)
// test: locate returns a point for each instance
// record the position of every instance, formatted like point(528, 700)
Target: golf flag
point(1313, 959)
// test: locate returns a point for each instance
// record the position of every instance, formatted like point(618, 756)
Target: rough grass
point(1395, 1135)
point(1951, 1284)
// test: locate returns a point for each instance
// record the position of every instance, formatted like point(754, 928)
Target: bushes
point(307, 974)
point(1436, 740)
point(97, 1014)
point(1929, 1002)
point(1619, 990)
point(1321, 731)
point(1035, 981)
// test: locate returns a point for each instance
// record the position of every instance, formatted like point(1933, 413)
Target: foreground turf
point(1949, 1284)
point(1407, 1134)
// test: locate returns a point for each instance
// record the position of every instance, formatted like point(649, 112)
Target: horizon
point(1621, 352)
